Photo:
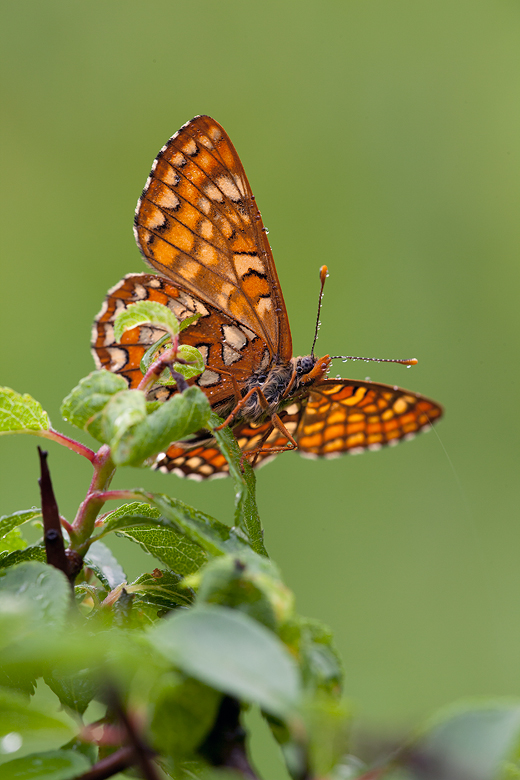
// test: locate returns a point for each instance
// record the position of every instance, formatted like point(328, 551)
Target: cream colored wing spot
point(229, 355)
point(229, 188)
point(213, 193)
point(194, 462)
point(208, 254)
point(118, 358)
point(214, 133)
point(154, 282)
point(264, 307)
point(204, 205)
point(109, 334)
point(204, 351)
point(190, 147)
point(245, 263)
point(240, 183)
point(292, 409)
point(155, 218)
point(234, 336)
point(178, 160)
point(170, 176)
point(222, 295)
point(167, 199)
point(193, 304)
point(139, 293)
point(206, 228)
point(249, 333)
point(208, 378)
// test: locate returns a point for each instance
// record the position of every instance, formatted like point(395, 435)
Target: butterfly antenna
point(408, 363)
point(324, 272)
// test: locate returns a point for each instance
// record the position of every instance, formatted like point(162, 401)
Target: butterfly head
point(309, 368)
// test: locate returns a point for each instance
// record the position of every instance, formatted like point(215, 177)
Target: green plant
point(153, 675)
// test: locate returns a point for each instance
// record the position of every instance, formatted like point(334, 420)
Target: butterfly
point(198, 225)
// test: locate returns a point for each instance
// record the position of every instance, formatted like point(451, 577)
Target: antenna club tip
point(412, 362)
point(324, 272)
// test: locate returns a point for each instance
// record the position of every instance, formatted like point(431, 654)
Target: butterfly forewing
point(197, 222)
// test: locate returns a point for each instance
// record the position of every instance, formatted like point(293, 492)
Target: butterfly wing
point(337, 417)
point(198, 224)
point(348, 416)
point(226, 345)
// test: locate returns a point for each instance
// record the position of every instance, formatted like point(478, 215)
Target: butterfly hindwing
point(348, 416)
point(225, 345)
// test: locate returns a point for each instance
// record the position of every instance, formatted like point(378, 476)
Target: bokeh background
point(381, 138)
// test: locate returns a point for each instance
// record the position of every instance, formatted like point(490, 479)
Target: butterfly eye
point(261, 379)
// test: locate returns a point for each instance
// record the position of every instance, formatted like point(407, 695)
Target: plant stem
point(142, 753)
point(225, 745)
point(108, 767)
point(90, 507)
point(72, 444)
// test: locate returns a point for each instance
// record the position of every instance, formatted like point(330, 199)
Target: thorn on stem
point(52, 533)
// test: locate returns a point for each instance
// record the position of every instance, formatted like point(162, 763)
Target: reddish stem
point(72, 444)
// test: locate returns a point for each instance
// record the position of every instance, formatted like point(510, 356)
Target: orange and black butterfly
point(197, 223)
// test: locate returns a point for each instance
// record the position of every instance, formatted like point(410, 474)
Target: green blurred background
point(380, 137)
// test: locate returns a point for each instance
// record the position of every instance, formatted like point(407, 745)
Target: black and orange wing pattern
point(198, 224)
point(339, 416)
point(225, 345)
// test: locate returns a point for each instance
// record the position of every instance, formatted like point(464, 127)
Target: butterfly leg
point(291, 442)
point(240, 405)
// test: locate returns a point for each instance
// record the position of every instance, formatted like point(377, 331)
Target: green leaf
point(142, 313)
point(124, 411)
point(22, 716)
point(8, 522)
point(52, 765)
point(186, 352)
point(21, 413)
point(312, 643)
point(84, 404)
point(45, 588)
point(135, 437)
point(211, 535)
point(469, 740)
point(184, 712)
point(74, 691)
point(248, 582)
point(129, 515)
point(246, 511)
point(104, 565)
point(12, 541)
point(161, 589)
point(172, 548)
point(232, 653)
point(194, 357)
point(35, 552)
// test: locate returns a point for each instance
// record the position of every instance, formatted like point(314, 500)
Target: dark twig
point(52, 534)
point(142, 753)
point(225, 744)
point(108, 767)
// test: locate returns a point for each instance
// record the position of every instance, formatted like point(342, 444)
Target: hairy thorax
point(278, 386)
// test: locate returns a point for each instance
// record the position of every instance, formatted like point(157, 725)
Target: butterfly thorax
point(281, 384)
